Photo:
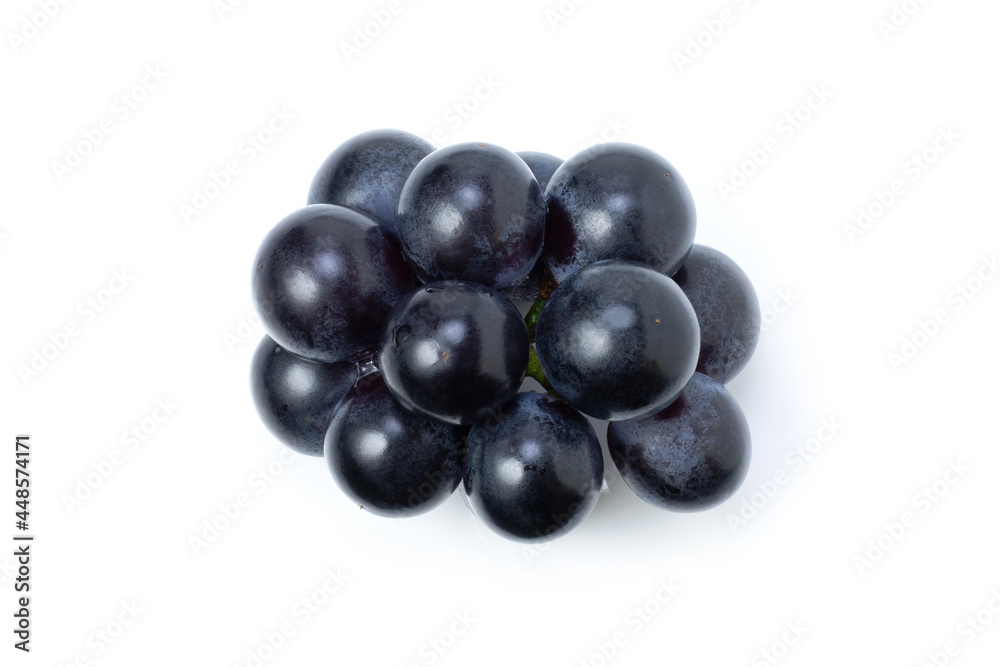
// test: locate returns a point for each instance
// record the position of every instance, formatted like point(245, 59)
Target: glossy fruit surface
point(324, 281)
point(367, 173)
point(535, 472)
point(618, 340)
point(542, 165)
point(295, 396)
point(617, 201)
point(692, 455)
point(728, 312)
point(388, 460)
point(455, 351)
point(395, 349)
point(472, 212)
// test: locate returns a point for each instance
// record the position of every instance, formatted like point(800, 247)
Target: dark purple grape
point(367, 173)
point(618, 340)
point(455, 351)
point(472, 212)
point(728, 311)
point(542, 165)
point(324, 281)
point(617, 201)
point(295, 396)
point(388, 460)
point(691, 456)
point(535, 472)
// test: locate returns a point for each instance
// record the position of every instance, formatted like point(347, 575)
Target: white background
point(838, 305)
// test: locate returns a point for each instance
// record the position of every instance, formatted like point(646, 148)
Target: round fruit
point(536, 471)
point(618, 340)
point(367, 173)
point(295, 396)
point(689, 457)
point(472, 212)
point(728, 312)
point(542, 165)
point(455, 351)
point(388, 460)
point(617, 201)
point(324, 281)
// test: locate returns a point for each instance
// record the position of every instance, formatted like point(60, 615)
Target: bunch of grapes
point(395, 348)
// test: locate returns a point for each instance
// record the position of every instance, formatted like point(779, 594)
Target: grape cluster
point(395, 348)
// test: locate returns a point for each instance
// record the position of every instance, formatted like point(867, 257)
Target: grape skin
point(325, 280)
point(617, 201)
point(535, 472)
point(295, 396)
point(455, 351)
point(387, 459)
point(542, 165)
point(689, 457)
point(367, 173)
point(472, 212)
point(728, 311)
point(618, 340)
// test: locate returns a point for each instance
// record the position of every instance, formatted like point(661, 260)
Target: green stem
point(534, 366)
point(531, 319)
point(535, 371)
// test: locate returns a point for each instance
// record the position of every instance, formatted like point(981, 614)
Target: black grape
point(387, 459)
point(324, 281)
point(728, 311)
point(542, 165)
point(295, 396)
point(455, 351)
point(535, 472)
point(472, 212)
point(691, 456)
point(617, 201)
point(367, 173)
point(618, 340)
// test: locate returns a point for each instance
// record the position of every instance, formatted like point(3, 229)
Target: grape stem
point(535, 371)
point(534, 367)
point(531, 319)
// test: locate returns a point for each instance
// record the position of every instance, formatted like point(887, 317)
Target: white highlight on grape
point(597, 225)
point(617, 203)
point(618, 317)
point(592, 341)
point(531, 451)
point(372, 444)
point(302, 286)
point(447, 221)
point(427, 353)
point(511, 471)
point(302, 378)
point(329, 264)
point(454, 331)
